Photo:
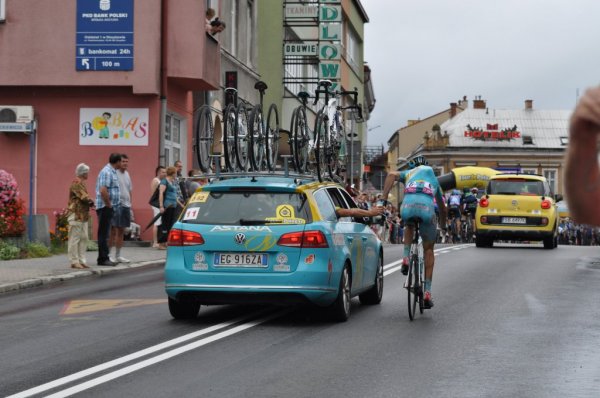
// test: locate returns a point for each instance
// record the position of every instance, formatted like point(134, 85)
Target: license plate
point(241, 260)
point(514, 220)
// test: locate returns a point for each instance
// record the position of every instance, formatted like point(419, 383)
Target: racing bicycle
point(301, 139)
point(263, 146)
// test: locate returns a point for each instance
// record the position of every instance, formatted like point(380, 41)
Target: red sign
point(492, 133)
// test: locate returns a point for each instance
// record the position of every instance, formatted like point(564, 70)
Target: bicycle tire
point(421, 279)
point(334, 146)
point(301, 140)
point(241, 137)
point(229, 122)
point(321, 144)
point(256, 142)
point(412, 286)
point(204, 138)
point(272, 137)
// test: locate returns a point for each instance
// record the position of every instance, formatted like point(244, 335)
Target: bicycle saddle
point(260, 86)
point(325, 83)
point(303, 95)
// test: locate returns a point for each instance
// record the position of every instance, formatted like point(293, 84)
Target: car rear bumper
point(512, 234)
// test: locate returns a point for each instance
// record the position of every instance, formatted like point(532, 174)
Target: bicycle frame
point(415, 278)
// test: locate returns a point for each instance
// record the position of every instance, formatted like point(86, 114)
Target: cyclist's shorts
point(420, 206)
point(471, 212)
point(453, 212)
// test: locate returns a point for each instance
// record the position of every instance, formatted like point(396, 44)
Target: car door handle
point(349, 238)
point(364, 238)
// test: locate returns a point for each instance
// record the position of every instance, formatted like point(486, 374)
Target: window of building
point(527, 140)
point(175, 144)
point(564, 140)
point(529, 170)
point(550, 175)
point(230, 34)
point(352, 48)
point(250, 33)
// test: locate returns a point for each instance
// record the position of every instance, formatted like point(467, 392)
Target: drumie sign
point(113, 126)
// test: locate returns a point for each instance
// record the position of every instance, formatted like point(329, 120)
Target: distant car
point(517, 207)
point(273, 240)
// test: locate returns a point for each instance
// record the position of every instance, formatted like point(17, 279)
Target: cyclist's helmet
point(455, 192)
point(474, 190)
point(418, 161)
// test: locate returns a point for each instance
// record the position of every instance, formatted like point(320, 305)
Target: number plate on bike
point(514, 220)
point(258, 260)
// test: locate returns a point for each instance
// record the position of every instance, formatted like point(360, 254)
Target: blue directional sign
point(104, 35)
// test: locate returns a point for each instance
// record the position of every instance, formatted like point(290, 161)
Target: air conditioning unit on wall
point(16, 114)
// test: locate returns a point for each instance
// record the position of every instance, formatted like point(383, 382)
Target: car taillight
point(483, 220)
point(178, 237)
point(546, 204)
point(314, 239)
point(484, 202)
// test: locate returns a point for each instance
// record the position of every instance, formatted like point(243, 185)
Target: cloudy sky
point(425, 54)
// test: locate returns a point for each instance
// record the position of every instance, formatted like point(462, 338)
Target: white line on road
point(131, 357)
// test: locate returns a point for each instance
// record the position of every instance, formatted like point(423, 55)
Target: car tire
point(183, 309)
point(549, 243)
point(340, 309)
point(480, 241)
point(374, 294)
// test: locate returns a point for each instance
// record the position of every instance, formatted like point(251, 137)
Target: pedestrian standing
point(122, 213)
point(168, 203)
point(79, 207)
point(160, 174)
point(107, 197)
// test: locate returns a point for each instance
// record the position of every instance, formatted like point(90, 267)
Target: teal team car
point(271, 240)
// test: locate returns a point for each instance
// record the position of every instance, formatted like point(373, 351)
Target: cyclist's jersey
point(454, 200)
point(470, 202)
point(420, 188)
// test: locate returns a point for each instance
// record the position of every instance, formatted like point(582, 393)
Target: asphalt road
point(511, 321)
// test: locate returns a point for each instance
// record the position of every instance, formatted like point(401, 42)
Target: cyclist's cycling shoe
point(427, 300)
point(404, 268)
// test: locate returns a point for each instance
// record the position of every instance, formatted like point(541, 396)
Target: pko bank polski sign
point(104, 39)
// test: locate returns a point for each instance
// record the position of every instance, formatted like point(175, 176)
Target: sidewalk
point(21, 274)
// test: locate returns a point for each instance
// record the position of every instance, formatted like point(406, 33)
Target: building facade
point(98, 93)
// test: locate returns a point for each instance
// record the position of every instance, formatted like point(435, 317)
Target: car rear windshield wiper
point(244, 221)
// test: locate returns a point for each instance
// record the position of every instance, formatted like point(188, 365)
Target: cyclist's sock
point(406, 250)
point(427, 285)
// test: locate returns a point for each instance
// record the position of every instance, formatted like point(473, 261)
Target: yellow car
point(517, 207)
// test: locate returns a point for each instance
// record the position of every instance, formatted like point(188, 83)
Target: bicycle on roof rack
point(235, 132)
point(330, 148)
point(263, 145)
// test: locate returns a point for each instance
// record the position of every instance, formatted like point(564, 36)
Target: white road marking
point(392, 267)
point(130, 357)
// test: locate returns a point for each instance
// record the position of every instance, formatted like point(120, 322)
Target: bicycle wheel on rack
point(229, 122)
point(256, 144)
point(322, 142)
point(241, 134)
point(272, 137)
point(204, 138)
point(301, 140)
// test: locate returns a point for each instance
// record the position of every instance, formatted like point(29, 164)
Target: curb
point(54, 279)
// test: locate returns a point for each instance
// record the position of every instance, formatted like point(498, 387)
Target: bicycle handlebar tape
point(467, 177)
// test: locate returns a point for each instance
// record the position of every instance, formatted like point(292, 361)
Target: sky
point(425, 54)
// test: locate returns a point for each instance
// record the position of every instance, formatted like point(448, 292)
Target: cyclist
point(470, 202)
point(454, 213)
point(421, 188)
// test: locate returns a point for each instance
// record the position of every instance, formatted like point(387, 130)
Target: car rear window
point(247, 208)
point(516, 186)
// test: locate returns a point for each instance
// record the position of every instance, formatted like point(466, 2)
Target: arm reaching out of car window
point(582, 175)
point(356, 212)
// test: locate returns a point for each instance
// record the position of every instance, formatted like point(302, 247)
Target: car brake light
point(178, 237)
point(484, 202)
point(546, 204)
point(313, 239)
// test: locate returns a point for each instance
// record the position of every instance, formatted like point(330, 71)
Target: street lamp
point(373, 128)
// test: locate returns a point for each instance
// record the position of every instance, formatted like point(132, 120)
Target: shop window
point(175, 140)
point(529, 171)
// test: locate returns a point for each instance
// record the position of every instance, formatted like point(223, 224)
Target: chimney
point(452, 109)
point(528, 104)
point(463, 103)
point(478, 103)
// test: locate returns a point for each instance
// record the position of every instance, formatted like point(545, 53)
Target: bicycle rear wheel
point(256, 144)
point(412, 285)
point(241, 133)
point(204, 138)
point(229, 122)
point(272, 137)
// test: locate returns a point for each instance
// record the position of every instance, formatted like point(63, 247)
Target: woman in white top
point(161, 174)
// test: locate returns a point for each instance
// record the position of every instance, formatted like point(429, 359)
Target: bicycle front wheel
point(322, 140)
point(241, 137)
point(272, 137)
point(301, 140)
point(204, 138)
point(413, 285)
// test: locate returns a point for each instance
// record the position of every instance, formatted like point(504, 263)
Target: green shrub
point(8, 251)
point(36, 250)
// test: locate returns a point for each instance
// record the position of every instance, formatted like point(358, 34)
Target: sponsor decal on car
point(309, 259)
point(199, 197)
point(285, 215)
point(242, 228)
point(191, 214)
point(200, 262)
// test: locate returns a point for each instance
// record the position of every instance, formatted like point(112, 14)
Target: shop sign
point(492, 133)
point(113, 126)
point(300, 11)
point(300, 48)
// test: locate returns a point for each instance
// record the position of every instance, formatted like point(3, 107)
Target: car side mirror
point(558, 197)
